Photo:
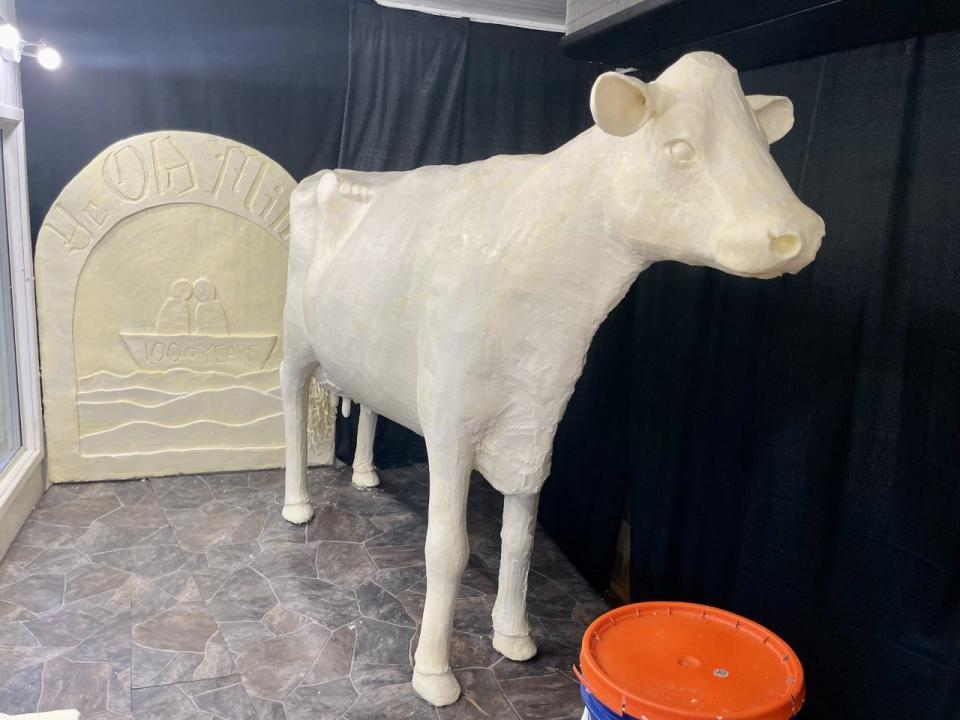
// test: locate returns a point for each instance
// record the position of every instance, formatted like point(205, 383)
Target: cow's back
point(396, 258)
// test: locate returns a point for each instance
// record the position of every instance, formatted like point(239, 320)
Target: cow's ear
point(620, 104)
point(774, 113)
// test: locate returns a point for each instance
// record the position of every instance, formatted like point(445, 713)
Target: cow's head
point(718, 197)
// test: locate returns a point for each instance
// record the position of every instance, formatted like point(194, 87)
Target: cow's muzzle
point(786, 247)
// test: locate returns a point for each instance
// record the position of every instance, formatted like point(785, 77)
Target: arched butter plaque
point(161, 272)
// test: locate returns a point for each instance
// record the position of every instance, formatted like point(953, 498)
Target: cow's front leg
point(294, 373)
point(364, 472)
point(447, 548)
point(511, 629)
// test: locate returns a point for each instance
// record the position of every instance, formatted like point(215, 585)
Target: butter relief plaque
point(161, 273)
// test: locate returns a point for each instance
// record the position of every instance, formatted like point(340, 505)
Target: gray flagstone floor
point(190, 598)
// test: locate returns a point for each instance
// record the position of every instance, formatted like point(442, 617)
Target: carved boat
point(234, 354)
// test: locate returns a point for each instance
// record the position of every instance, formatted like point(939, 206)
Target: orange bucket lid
point(681, 661)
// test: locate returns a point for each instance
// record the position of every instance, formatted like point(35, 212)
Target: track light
point(49, 57)
point(13, 48)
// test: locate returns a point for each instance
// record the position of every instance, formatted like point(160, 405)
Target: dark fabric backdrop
point(795, 444)
point(269, 74)
point(791, 447)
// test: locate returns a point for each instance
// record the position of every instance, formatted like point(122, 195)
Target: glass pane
point(9, 397)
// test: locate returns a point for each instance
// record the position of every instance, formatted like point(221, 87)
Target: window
point(9, 394)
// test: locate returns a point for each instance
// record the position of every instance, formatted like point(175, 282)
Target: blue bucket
point(596, 710)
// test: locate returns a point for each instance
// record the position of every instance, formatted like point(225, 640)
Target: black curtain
point(795, 444)
point(272, 75)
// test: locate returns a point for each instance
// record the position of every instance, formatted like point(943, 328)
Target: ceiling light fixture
point(13, 47)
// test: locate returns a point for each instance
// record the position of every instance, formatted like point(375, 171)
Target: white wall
point(10, 72)
point(21, 483)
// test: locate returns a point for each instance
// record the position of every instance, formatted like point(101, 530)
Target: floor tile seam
point(43, 672)
point(272, 590)
point(220, 687)
point(133, 686)
point(387, 622)
point(355, 701)
point(549, 671)
point(301, 577)
point(30, 632)
point(155, 615)
point(84, 662)
point(307, 620)
point(382, 589)
point(178, 683)
point(556, 584)
point(223, 641)
point(219, 587)
point(128, 702)
point(64, 605)
point(60, 649)
point(98, 628)
point(20, 563)
point(281, 604)
point(175, 652)
point(411, 650)
point(353, 661)
point(506, 697)
point(190, 572)
point(410, 587)
point(315, 661)
point(313, 664)
point(251, 696)
point(380, 533)
point(33, 615)
point(474, 667)
point(415, 625)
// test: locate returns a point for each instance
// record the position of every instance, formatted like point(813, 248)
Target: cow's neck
point(590, 265)
point(579, 269)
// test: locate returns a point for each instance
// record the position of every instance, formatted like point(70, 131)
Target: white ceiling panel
point(547, 15)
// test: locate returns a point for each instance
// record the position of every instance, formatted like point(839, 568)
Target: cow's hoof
point(515, 647)
point(436, 688)
point(298, 513)
point(365, 478)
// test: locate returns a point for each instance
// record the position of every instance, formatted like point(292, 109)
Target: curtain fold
point(271, 75)
point(405, 90)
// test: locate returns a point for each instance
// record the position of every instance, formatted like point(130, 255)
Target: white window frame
point(28, 458)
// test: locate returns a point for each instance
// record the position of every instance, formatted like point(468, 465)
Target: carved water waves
point(197, 386)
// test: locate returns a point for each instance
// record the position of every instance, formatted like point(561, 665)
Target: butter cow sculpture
point(460, 301)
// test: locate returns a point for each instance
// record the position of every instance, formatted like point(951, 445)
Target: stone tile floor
point(190, 598)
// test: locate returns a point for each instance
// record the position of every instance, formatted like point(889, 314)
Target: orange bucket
point(680, 661)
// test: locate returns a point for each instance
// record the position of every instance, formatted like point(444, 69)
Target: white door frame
point(21, 482)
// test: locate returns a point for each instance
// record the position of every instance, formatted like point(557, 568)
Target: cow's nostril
point(784, 246)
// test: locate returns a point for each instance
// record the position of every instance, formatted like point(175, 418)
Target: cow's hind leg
point(447, 548)
point(364, 471)
point(511, 629)
point(295, 372)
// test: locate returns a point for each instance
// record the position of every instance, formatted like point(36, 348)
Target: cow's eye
point(681, 151)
